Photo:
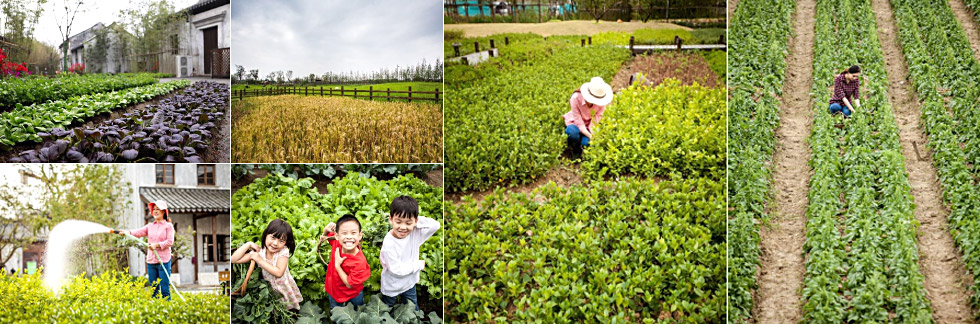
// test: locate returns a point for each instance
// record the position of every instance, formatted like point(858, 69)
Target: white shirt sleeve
point(399, 268)
point(426, 228)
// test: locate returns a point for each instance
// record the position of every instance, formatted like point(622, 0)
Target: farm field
point(314, 90)
point(111, 118)
point(305, 129)
point(297, 201)
point(874, 227)
point(521, 225)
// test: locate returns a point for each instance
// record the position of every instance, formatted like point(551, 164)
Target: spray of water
point(60, 241)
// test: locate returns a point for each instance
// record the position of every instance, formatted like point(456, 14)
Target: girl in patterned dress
point(273, 258)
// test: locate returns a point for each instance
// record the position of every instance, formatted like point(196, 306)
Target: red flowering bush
point(8, 68)
point(77, 68)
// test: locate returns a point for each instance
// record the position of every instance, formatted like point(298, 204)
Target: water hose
point(147, 246)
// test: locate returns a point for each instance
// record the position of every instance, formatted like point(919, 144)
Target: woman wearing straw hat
point(587, 105)
point(160, 235)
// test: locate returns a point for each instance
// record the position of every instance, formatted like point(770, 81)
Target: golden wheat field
point(301, 129)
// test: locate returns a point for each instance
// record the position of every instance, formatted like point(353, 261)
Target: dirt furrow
point(945, 279)
point(969, 23)
point(778, 300)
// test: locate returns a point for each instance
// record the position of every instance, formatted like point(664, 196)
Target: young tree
point(596, 8)
point(253, 75)
point(19, 20)
point(96, 54)
point(239, 73)
point(152, 24)
point(72, 8)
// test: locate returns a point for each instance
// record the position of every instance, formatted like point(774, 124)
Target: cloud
point(317, 36)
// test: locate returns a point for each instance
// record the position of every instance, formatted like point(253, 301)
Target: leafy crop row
point(862, 256)
point(174, 130)
point(36, 90)
point(513, 56)
point(760, 32)
point(947, 81)
point(508, 128)
point(308, 212)
point(25, 123)
point(292, 128)
point(111, 297)
point(612, 252)
point(659, 131)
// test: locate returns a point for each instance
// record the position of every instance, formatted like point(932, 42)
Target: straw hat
point(160, 204)
point(597, 92)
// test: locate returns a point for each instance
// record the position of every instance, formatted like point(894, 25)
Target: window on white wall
point(165, 174)
point(223, 248)
point(205, 174)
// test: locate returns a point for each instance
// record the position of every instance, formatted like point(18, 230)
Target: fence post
point(721, 39)
point(583, 42)
point(677, 39)
point(321, 91)
point(590, 40)
point(341, 91)
point(476, 46)
point(631, 46)
point(539, 11)
point(409, 94)
point(492, 46)
point(389, 94)
point(506, 40)
point(371, 93)
point(456, 48)
point(437, 94)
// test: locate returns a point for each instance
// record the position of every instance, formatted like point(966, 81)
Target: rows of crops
point(308, 212)
point(338, 129)
point(862, 263)
point(610, 252)
point(670, 129)
point(946, 79)
point(175, 130)
point(497, 121)
point(759, 33)
point(35, 90)
point(26, 122)
point(110, 297)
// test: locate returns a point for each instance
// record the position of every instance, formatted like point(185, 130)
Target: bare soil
point(685, 67)
point(573, 27)
point(969, 23)
point(945, 276)
point(563, 175)
point(781, 270)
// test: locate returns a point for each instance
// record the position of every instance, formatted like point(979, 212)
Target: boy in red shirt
point(348, 269)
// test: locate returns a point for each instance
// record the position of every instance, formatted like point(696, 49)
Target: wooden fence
point(370, 93)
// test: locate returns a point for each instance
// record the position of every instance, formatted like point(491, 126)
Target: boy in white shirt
point(400, 250)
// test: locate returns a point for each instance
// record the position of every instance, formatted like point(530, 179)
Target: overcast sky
point(105, 12)
point(317, 36)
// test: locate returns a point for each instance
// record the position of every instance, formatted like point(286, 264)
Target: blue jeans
point(357, 300)
point(836, 107)
point(575, 136)
point(155, 271)
point(409, 295)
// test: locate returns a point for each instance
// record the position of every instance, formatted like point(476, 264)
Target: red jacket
point(357, 269)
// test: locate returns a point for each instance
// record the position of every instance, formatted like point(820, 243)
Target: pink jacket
point(160, 232)
point(580, 115)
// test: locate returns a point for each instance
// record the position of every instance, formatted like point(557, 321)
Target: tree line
point(423, 71)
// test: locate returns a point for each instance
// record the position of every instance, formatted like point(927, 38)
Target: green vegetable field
point(864, 247)
point(641, 238)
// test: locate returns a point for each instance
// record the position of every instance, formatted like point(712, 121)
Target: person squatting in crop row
point(588, 103)
point(273, 258)
point(348, 268)
point(400, 250)
point(160, 235)
point(847, 87)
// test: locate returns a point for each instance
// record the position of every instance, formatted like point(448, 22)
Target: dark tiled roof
point(205, 5)
point(190, 200)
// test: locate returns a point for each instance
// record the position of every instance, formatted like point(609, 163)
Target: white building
point(203, 42)
point(81, 43)
point(198, 197)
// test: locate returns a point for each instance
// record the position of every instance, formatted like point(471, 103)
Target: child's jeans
point(409, 295)
point(155, 271)
point(575, 135)
point(357, 301)
point(836, 107)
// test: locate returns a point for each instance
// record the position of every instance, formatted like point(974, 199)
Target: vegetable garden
point(308, 129)
point(308, 212)
point(862, 251)
point(103, 118)
point(641, 240)
point(111, 297)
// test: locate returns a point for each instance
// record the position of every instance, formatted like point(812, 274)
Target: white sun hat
point(162, 205)
point(597, 92)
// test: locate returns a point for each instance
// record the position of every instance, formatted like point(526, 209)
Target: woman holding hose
point(160, 235)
